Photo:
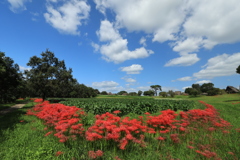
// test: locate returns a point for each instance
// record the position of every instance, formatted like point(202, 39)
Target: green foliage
point(137, 106)
point(10, 79)
point(206, 87)
point(148, 93)
point(132, 94)
point(238, 69)
point(213, 92)
point(139, 93)
point(104, 93)
point(171, 93)
point(155, 88)
point(122, 92)
point(48, 74)
point(163, 94)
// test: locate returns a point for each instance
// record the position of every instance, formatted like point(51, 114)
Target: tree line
point(48, 77)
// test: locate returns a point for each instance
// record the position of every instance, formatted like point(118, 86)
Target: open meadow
point(208, 129)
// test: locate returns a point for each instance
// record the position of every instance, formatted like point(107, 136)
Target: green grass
point(25, 139)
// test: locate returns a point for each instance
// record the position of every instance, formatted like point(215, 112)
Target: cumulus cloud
point(116, 49)
point(189, 25)
point(18, 5)
point(24, 68)
point(183, 60)
point(109, 86)
point(203, 81)
point(133, 69)
point(184, 79)
point(143, 41)
point(68, 17)
point(129, 80)
point(221, 65)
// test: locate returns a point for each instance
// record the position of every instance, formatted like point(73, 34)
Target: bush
point(163, 94)
point(171, 93)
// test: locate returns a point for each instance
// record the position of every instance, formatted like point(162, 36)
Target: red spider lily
point(116, 112)
point(48, 133)
point(161, 138)
point(58, 153)
point(190, 147)
point(94, 155)
point(21, 121)
point(117, 158)
point(231, 153)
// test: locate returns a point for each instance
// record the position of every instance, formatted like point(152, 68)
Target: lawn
point(28, 137)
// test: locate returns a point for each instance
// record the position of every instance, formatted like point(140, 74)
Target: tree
point(10, 79)
point(140, 93)
point(122, 92)
point(238, 69)
point(213, 92)
point(132, 93)
point(163, 94)
point(48, 74)
point(197, 87)
point(171, 93)
point(104, 93)
point(148, 93)
point(206, 87)
point(155, 88)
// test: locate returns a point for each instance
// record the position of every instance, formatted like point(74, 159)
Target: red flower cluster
point(65, 119)
point(94, 155)
point(111, 127)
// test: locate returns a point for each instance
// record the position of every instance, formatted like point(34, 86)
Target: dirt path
point(16, 106)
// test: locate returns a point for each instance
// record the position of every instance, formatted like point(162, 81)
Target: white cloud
point(166, 89)
point(184, 79)
point(189, 25)
point(95, 46)
point(129, 80)
point(143, 41)
point(144, 88)
point(116, 50)
point(221, 65)
point(67, 17)
point(133, 69)
point(24, 68)
point(109, 86)
point(18, 5)
point(203, 81)
point(183, 60)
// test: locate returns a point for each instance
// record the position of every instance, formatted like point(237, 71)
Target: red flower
point(161, 138)
point(58, 153)
point(116, 112)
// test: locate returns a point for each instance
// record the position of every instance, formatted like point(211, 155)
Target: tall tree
point(140, 93)
point(206, 87)
point(10, 79)
point(48, 74)
point(238, 69)
point(155, 88)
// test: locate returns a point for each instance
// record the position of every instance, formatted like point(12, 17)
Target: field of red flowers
point(199, 131)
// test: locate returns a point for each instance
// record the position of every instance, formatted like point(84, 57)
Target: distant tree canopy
point(49, 77)
point(10, 79)
point(204, 88)
point(139, 93)
point(122, 92)
point(148, 93)
point(155, 88)
point(104, 93)
point(238, 69)
point(132, 94)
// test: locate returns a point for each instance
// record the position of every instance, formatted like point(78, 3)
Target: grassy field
point(22, 137)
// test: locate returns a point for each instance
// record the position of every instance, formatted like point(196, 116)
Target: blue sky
point(115, 45)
